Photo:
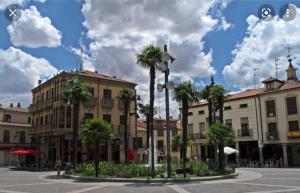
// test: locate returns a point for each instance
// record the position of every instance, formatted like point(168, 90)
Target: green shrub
point(88, 169)
point(108, 168)
point(199, 168)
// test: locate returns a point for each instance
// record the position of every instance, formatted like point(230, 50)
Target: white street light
point(160, 87)
point(170, 85)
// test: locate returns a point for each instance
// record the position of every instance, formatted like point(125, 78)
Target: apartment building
point(15, 123)
point(160, 137)
point(265, 121)
point(52, 119)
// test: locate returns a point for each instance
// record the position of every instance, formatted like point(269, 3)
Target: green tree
point(76, 91)
point(186, 94)
point(149, 58)
point(218, 96)
point(126, 96)
point(145, 111)
point(221, 135)
point(96, 131)
point(177, 141)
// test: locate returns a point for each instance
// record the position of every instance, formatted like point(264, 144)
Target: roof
point(17, 109)
point(246, 94)
point(141, 124)
point(271, 79)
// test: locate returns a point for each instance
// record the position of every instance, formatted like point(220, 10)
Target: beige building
point(52, 119)
point(265, 121)
point(160, 136)
point(14, 134)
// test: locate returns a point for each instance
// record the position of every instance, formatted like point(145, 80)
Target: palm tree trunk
point(97, 157)
point(221, 157)
point(125, 133)
point(148, 131)
point(151, 113)
point(184, 127)
point(75, 132)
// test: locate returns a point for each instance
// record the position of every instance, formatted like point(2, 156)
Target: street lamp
point(169, 85)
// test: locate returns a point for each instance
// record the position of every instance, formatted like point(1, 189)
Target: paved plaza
point(249, 180)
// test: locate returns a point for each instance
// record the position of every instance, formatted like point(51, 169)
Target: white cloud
point(120, 29)
point(264, 42)
point(5, 3)
point(33, 30)
point(19, 73)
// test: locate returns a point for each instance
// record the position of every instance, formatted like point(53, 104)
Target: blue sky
point(202, 36)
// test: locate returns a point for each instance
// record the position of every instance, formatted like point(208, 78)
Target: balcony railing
point(272, 135)
point(91, 102)
point(107, 103)
point(293, 134)
point(195, 136)
point(245, 132)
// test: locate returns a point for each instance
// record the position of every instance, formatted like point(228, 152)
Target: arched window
point(6, 136)
point(22, 137)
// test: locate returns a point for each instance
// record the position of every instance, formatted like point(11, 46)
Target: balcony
point(90, 103)
point(293, 134)
point(107, 103)
point(245, 132)
point(272, 135)
point(195, 136)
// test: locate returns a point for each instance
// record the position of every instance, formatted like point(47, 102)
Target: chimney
point(19, 105)
point(39, 82)
point(11, 105)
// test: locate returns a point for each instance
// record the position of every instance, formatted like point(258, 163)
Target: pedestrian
point(58, 167)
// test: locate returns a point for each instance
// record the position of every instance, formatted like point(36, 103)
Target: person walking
point(58, 165)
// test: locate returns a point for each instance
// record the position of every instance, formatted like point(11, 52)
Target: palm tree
point(145, 111)
point(149, 58)
point(186, 94)
point(75, 92)
point(221, 135)
point(95, 132)
point(177, 141)
point(126, 96)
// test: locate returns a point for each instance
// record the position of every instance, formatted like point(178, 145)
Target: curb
point(150, 180)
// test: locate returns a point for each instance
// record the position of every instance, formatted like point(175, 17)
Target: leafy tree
point(126, 96)
point(149, 58)
point(76, 91)
point(96, 131)
point(221, 135)
point(186, 94)
point(217, 96)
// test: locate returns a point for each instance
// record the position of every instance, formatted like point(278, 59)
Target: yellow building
point(52, 119)
point(265, 121)
point(14, 134)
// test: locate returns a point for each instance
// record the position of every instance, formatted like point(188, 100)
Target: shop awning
point(24, 151)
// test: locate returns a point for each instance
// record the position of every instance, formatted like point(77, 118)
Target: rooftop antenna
point(276, 67)
point(289, 49)
point(81, 59)
point(254, 76)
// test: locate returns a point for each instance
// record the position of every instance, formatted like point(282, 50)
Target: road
point(249, 180)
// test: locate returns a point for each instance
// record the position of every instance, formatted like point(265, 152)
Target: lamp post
point(169, 85)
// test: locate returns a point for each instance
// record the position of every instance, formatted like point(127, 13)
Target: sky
point(220, 38)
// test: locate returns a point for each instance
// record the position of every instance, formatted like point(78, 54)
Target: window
point(52, 93)
point(29, 120)
point(32, 123)
point(270, 105)
point(43, 96)
point(228, 122)
point(245, 126)
point(7, 118)
point(160, 132)
point(107, 94)
point(242, 106)
point(6, 136)
point(46, 120)
point(22, 137)
point(202, 127)
point(272, 131)
point(201, 112)
point(138, 142)
point(270, 86)
point(107, 118)
point(88, 116)
point(160, 144)
point(190, 129)
point(36, 121)
point(190, 113)
point(91, 90)
point(42, 120)
point(69, 114)
point(226, 108)
point(293, 126)
point(291, 104)
point(122, 120)
point(47, 94)
point(61, 121)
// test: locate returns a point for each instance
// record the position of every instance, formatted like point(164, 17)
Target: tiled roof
point(271, 79)
point(141, 124)
point(245, 94)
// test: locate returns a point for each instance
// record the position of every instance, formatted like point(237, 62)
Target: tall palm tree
point(149, 58)
point(145, 111)
point(186, 94)
point(95, 132)
point(126, 96)
point(75, 92)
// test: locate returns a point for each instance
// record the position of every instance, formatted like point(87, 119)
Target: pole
point(167, 119)
point(39, 153)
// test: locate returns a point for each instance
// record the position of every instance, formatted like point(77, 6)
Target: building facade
point(52, 119)
point(265, 121)
point(15, 124)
